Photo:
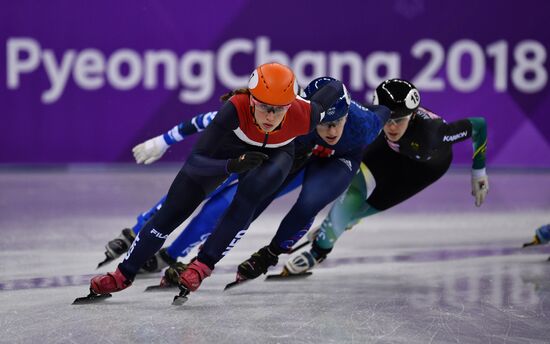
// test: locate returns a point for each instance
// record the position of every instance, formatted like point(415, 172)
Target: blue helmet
point(340, 108)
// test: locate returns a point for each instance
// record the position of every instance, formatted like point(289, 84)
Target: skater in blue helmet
point(414, 151)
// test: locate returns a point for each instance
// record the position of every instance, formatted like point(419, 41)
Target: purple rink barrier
point(85, 82)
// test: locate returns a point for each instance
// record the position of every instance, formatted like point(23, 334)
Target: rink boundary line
point(437, 256)
point(414, 257)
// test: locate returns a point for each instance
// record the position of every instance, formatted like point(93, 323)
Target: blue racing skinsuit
point(231, 134)
point(323, 170)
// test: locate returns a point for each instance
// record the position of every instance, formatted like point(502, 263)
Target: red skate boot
point(190, 280)
point(193, 275)
point(102, 285)
point(109, 283)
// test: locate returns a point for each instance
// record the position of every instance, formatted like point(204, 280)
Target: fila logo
point(158, 234)
point(454, 137)
point(131, 249)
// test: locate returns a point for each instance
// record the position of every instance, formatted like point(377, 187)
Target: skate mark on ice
point(416, 257)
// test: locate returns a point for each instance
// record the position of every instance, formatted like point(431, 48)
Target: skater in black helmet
point(414, 151)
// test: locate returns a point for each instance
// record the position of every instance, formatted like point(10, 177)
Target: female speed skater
point(414, 152)
point(328, 157)
point(252, 135)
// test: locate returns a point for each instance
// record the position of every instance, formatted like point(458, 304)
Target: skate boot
point(306, 260)
point(171, 276)
point(109, 283)
point(118, 246)
point(303, 262)
point(542, 236)
point(190, 280)
point(258, 263)
point(156, 263)
point(193, 274)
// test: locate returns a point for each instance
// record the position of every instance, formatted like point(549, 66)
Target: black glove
point(245, 162)
point(300, 159)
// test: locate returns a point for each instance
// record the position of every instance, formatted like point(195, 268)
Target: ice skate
point(118, 246)
point(285, 275)
point(91, 298)
point(533, 242)
point(254, 266)
point(102, 286)
point(542, 236)
point(298, 266)
point(190, 279)
point(170, 280)
point(158, 262)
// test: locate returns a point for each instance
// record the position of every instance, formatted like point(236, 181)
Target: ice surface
point(432, 270)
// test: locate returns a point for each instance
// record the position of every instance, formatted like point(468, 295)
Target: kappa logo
point(454, 137)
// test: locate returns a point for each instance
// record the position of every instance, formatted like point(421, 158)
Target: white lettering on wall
point(195, 72)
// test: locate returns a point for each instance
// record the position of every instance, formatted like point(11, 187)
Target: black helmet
point(399, 95)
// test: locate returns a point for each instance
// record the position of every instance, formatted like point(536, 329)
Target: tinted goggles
point(263, 107)
point(334, 123)
point(398, 120)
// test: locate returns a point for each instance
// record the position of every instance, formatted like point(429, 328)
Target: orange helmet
point(274, 84)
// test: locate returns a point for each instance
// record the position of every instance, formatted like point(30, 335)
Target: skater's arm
point(479, 140)
point(204, 159)
point(461, 130)
point(186, 128)
point(480, 181)
point(323, 99)
point(476, 128)
point(153, 149)
point(375, 116)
